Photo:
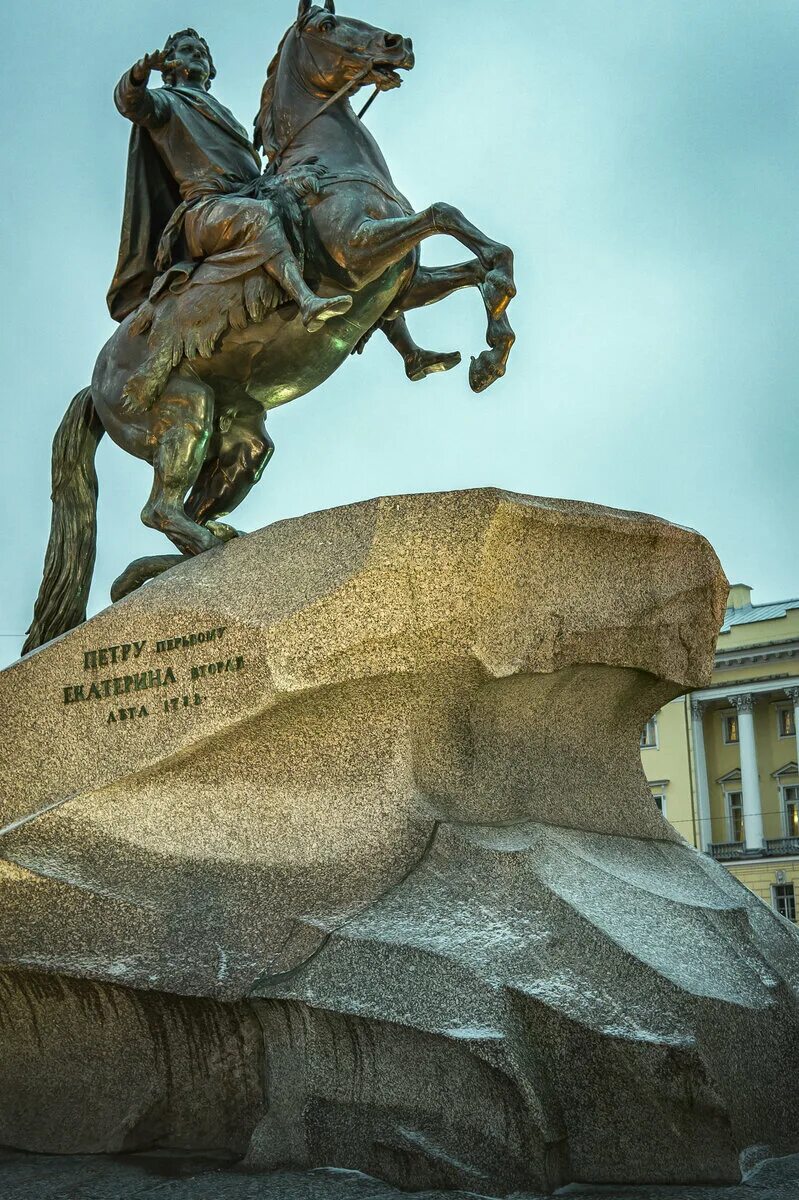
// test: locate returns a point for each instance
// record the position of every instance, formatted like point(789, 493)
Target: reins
point(340, 94)
point(368, 104)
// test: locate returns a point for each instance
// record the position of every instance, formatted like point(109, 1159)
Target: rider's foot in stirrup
point(422, 363)
point(316, 310)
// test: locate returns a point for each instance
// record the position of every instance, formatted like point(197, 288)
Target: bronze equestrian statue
point(238, 290)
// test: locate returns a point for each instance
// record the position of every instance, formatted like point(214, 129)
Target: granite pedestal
point(332, 848)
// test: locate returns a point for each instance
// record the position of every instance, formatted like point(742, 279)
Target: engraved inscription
point(111, 655)
point(189, 640)
point(126, 714)
point(121, 685)
point(143, 678)
point(178, 702)
point(217, 668)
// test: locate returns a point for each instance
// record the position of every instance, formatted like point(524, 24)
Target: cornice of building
point(757, 652)
point(769, 863)
point(726, 689)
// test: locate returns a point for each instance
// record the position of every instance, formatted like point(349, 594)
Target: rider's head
point(192, 54)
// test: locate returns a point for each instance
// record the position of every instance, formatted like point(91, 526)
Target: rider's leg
point(314, 310)
point(253, 228)
point(236, 462)
point(183, 419)
point(418, 362)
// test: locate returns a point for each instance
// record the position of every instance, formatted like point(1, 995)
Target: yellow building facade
point(722, 763)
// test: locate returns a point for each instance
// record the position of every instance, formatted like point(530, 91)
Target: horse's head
point(340, 49)
point(326, 53)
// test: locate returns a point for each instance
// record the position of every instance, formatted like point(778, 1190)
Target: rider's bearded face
point(193, 64)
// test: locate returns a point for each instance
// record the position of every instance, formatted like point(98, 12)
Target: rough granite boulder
point(333, 847)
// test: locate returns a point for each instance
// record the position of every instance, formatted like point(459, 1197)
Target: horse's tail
point(69, 562)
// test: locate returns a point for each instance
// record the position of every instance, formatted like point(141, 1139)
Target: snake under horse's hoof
point(144, 569)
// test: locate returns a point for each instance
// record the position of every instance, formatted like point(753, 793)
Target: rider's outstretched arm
point(135, 100)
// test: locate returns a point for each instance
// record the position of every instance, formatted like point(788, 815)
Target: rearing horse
point(205, 436)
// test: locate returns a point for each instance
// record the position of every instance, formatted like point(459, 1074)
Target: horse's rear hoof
point(225, 533)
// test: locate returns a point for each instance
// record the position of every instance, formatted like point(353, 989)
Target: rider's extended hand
point(152, 62)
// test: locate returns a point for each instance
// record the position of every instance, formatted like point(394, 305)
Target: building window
point(790, 808)
point(735, 816)
point(649, 737)
point(786, 722)
point(659, 797)
point(783, 900)
point(730, 726)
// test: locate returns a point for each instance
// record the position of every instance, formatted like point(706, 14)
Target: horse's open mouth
point(384, 75)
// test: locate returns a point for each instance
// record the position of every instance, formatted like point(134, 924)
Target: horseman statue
point(239, 289)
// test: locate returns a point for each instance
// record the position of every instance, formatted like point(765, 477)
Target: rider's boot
point(419, 363)
point(314, 310)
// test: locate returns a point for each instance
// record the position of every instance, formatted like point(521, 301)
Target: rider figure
point(187, 191)
point(189, 163)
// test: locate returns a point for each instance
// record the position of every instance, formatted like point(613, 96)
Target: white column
point(705, 830)
point(750, 779)
point(793, 694)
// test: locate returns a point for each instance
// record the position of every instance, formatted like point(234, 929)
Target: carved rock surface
point(361, 794)
point(180, 1177)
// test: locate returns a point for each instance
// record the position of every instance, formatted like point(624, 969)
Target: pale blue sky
point(640, 155)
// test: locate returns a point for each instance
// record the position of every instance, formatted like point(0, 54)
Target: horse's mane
point(264, 136)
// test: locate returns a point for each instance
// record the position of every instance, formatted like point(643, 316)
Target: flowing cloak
point(151, 197)
point(152, 194)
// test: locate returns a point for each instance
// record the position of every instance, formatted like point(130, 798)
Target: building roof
point(750, 614)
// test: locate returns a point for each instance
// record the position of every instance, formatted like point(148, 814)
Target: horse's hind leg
point(181, 430)
point(234, 465)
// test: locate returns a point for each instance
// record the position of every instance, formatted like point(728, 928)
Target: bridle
point(306, 34)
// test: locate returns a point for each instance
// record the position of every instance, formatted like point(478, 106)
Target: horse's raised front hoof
point(498, 289)
point(225, 533)
point(486, 369)
point(428, 362)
